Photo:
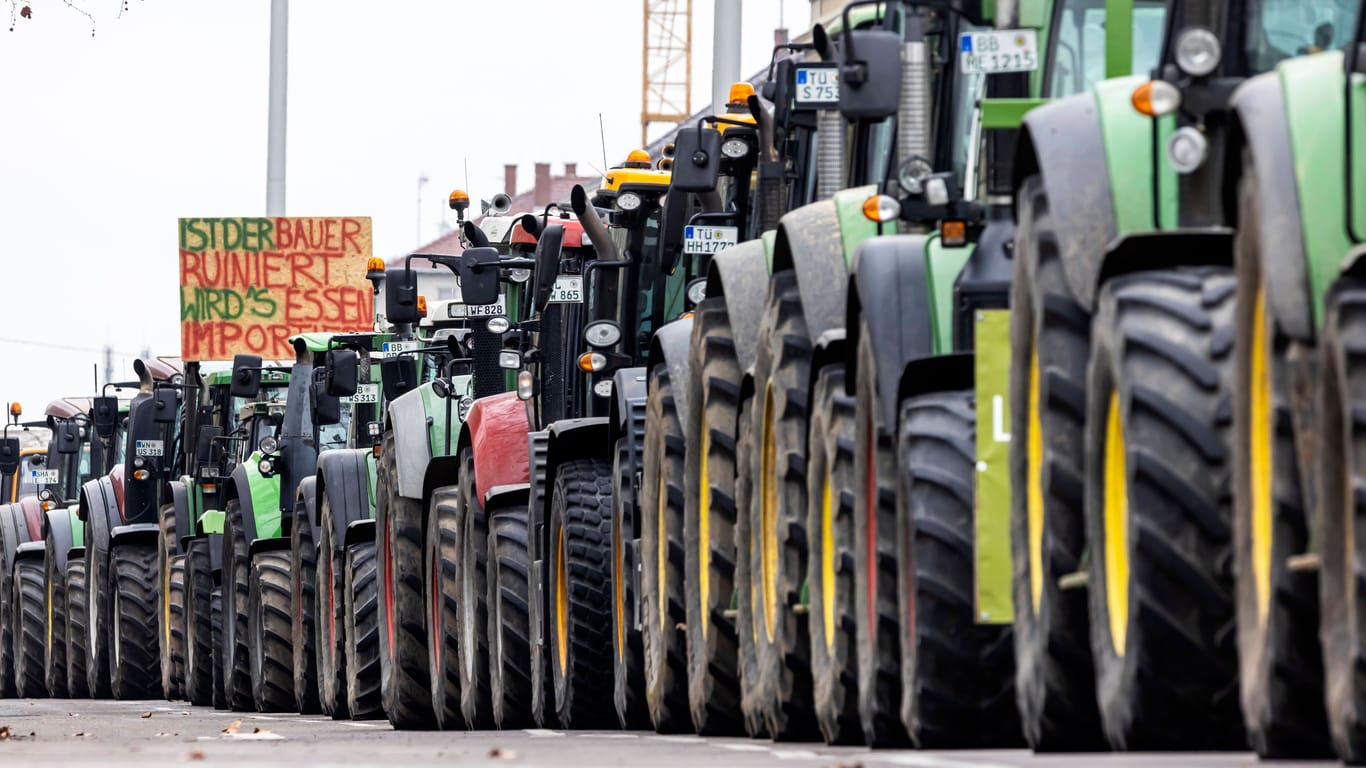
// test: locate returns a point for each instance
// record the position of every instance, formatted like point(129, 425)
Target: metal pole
point(725, 52)
point(421, 182)
point(279, 80)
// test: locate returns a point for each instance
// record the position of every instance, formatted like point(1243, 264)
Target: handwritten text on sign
point(248, 284)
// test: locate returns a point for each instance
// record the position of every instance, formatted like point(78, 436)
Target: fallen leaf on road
point(146, 715)
point(258, 729)
point(498, 753)
point(186, 714)
point(4, 732)
point(196, 755)
point(231, 729)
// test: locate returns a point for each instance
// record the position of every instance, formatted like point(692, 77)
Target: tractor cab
point(26, 449)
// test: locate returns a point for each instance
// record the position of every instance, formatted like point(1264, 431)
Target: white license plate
point(365, 393)
point(149, 448)
point(568, 289)
point(1006, 50)
point(708, 240)
point(500, 309)
point(817, 85)
point(46, 476)
point(397, 347)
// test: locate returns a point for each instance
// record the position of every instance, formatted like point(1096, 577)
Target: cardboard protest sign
point(248, 284)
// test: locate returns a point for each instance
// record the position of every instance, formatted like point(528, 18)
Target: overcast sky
point(162, 114)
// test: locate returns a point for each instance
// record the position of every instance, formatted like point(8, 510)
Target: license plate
point(398, 347)
point(499, 309)
point(46, 476)
point(817, 86)
point(568, 289)
point(1006, 50)
point(708, 240)
point(365, 393)
point(149, 448)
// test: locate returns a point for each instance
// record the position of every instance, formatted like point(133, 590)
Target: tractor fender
point(135, 533)
point(343, 479)
point(538, 448)
point(30, 550)
point(831, 347)
point(890, 292)
point(629, 390)
point(58, 528)
point(628, 418)
point(810, 243)
point(938, 373)
point(503, 496)
point(1261, 124)
point(359, 532)
point(740, 274)
point(272, 544)
point(412, 444)
point(240, 489)
point(10, 533)
point(1062, 140)
point(1143, 251)
point(564, 441)
point(30, 512)
point(441, 471)
point(305, 503)
point(496, 428)
point(672, 346)
point(99, 509)
point(180, 501)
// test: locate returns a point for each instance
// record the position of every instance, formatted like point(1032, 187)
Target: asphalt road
point(107, 733)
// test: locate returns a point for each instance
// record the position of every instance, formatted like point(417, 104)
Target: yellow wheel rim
point(1116, 519)
point(165, 603)
point(619, 603)
point(828, 559)
point(561, 604)
point(1260, 455)
point(662, 548)
point(1034, 484)
point(704, 526)
point(768, 515)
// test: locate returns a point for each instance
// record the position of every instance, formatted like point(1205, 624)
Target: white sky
point(106, 141)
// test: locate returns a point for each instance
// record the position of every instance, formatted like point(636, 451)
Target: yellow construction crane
point(666, 60)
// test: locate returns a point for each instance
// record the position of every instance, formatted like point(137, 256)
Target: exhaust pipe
point(829, 124)
point(767, 150)
point(592, 224)
point(144, 376)
point(913, 110)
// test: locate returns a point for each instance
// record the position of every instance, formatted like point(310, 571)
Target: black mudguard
point(180, 500)
point(1143, 251)
point(345, 482)
point(58, 528)
point(137, 533)
point(809, 242)
point(267, 545)
point(359, 531)
point(504, 496)
point(30, 550)
point(10, 533)
point(441, 472)
point(672, 346)
point(241, 490)
point(305, 503)
point(100, 510)
point(740, 274)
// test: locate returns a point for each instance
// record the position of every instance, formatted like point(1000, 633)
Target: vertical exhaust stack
point(829, 125)
point(913, 110)
point(592, 224)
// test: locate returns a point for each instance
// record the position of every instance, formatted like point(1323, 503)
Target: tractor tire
point(1158, 512)
point(957, 676)
point(1050, 346)
point(1342, 465)
point(664, 642)
point(77, 685)
point(330, 621)
point(778, 528)
point(7, 611)
point(199, 641)
point(509, 625)
point(54, 650)
point(1279, 658)
point(30, 629)
point(170, 608)
point(268, 629)
point(580, 584)
point(709, 509)
point(220, 694)
point(628, 660)
point(830, 563)
point(877, 590)
point(405, 679)
point(134, 669)
point(303, 587)
point(363, 666)
point(746, 620)
point(233, 654)
point(442, 632)
point(97, 615)
point(177, 601)
point(471, 614)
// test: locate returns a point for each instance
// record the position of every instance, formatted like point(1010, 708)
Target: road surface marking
point(541, 733)
point(607, 735)
point(929, 761)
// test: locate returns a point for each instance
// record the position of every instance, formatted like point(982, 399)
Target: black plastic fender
point(1261, 126)
point(740, 274)
point(10, 533)
point(809, 242)
point(58, 528)
point(940, 373)
point(180, 500)
point(344, 481)
point(359, 531)
point(240, 489)
point(672, 346)
point(503, 496)
point(441, 472)
point(137, 533)
point(30, 550)
point(565, 441)
point(1062, 140)
point(305, 504)
point(1143, 251)
point(267, 545)
point(629, 391)
point(100, 510)
point(891, 291)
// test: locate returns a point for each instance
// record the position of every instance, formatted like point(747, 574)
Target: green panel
point(1128, 136)
point(1313, 89)
point(1119, 37)
point(211, 521)
point(854, 226)
point(1169, 185)
point(371, 468)
point(315, 342)
point(1006, 113)
point(265, 499)
point(769, 238)
point(943, 265)
point(77, 525)
point(435, 408)
point(991, 518)
point(1035, 14)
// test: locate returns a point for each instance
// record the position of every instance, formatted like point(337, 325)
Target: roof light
point(459, 200)
point(374, 268)
point(16, 409)
point(422, 305)
point(628, 201)
point(638, 158)
point(881, 208)
point(1197, 51)
point(740, 93)
point(1156, 98)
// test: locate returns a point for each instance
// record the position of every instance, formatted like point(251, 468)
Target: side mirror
point(342, 367)
point(68, 438)
point(399, 375)
point(548, 250)
point(9, 455)
point(870, 73)
point(326, 406)
point(400, 296)
point(106, 416)
point(479, 276)
point(203, 444)
point(165, 403)
point(697, 160)
point(246, 376)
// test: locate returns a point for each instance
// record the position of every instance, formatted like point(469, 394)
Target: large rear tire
point(268, 627)
point(30, 629)
point(97, 615)
point(472, 615)
point(1158, 511)
point(233, 655)
point(628, 661)
point(330, 624)
point(830, 562)
point(579, 583)
point(133, 663)
point(54, 651)
point(709, 512)
point(405, 686)
point(77, 686)
point(170, 608)
point(303, 588)
point(509, 626)
point(1050, 347)
point(178, 628)
point(7, 608)
point(199, 622)
point(663, 616)
point(220, 695)
point(746, 622)
point(443, 634)
point(361, 605)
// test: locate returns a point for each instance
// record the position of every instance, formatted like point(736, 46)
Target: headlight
point(526, 386)
point(455, 310)
point(497, 325)
point(269, 444)
point(628, 201)
point(510, 359)
point(265, 466)
point(1197, 51)
point(697, 290)
point(374, 429)
point(177, 379)
point(735, 148)
point(519, 275)
point(603, 388)
point(602, 333)
point(1186, 149)
point(936, 191)
point(463, 407)
point(911, 175)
